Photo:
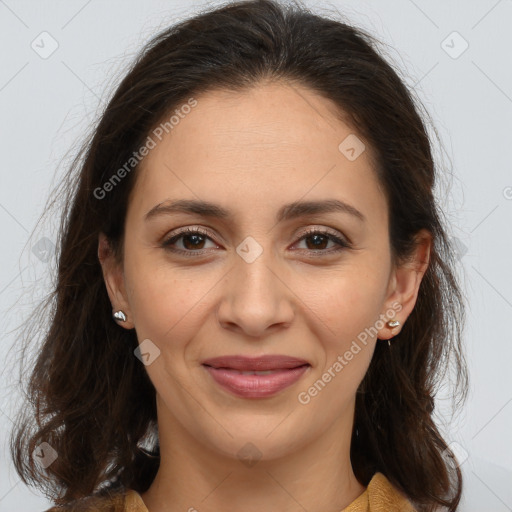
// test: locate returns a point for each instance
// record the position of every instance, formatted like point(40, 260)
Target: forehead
point(263, 146)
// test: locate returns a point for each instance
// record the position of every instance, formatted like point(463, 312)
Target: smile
point(256, 383)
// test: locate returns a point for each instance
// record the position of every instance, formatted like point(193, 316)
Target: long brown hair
point(90, 398)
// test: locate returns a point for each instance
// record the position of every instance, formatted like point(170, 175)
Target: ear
point(404, 284)
point(114, 281)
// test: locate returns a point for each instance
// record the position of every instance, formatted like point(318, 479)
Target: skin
point(251, 153)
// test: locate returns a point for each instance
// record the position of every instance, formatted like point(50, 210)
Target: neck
point(316, 476)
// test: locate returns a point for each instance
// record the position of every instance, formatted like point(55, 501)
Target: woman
point(256, 296)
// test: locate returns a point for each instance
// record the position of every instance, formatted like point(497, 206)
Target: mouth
point(255, 377)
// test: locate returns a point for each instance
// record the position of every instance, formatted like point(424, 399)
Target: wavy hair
point(89, 397)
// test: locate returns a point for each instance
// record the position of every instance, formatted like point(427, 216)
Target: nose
point(256, 299)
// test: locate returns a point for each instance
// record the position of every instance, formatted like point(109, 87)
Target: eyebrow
point(286, 212)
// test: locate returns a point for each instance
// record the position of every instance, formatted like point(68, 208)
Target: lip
point(226, 372)
point(244, 363)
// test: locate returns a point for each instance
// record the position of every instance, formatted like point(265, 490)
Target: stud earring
point(391, 324)
point(119, 315)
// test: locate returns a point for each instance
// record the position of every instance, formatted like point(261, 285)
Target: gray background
point(48, 103)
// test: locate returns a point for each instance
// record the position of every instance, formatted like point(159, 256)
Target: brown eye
point(192, 240)
point(317, 240)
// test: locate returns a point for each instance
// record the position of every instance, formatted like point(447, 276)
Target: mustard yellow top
point(379, 496)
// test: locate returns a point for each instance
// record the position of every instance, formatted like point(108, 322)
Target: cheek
point(348, 310)
point(348, 303)
point(167, 303)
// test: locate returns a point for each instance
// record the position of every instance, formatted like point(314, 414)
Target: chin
point(255, 440)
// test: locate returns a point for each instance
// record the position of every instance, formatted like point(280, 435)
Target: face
point(255, 277)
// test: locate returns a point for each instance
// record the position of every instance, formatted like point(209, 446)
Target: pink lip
point(244, 363)
point(256, 386)
point(226, 372)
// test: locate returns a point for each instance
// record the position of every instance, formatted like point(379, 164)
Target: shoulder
point(106, 501)
point(382, 495)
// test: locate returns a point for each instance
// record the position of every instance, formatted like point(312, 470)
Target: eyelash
point(342, 243)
